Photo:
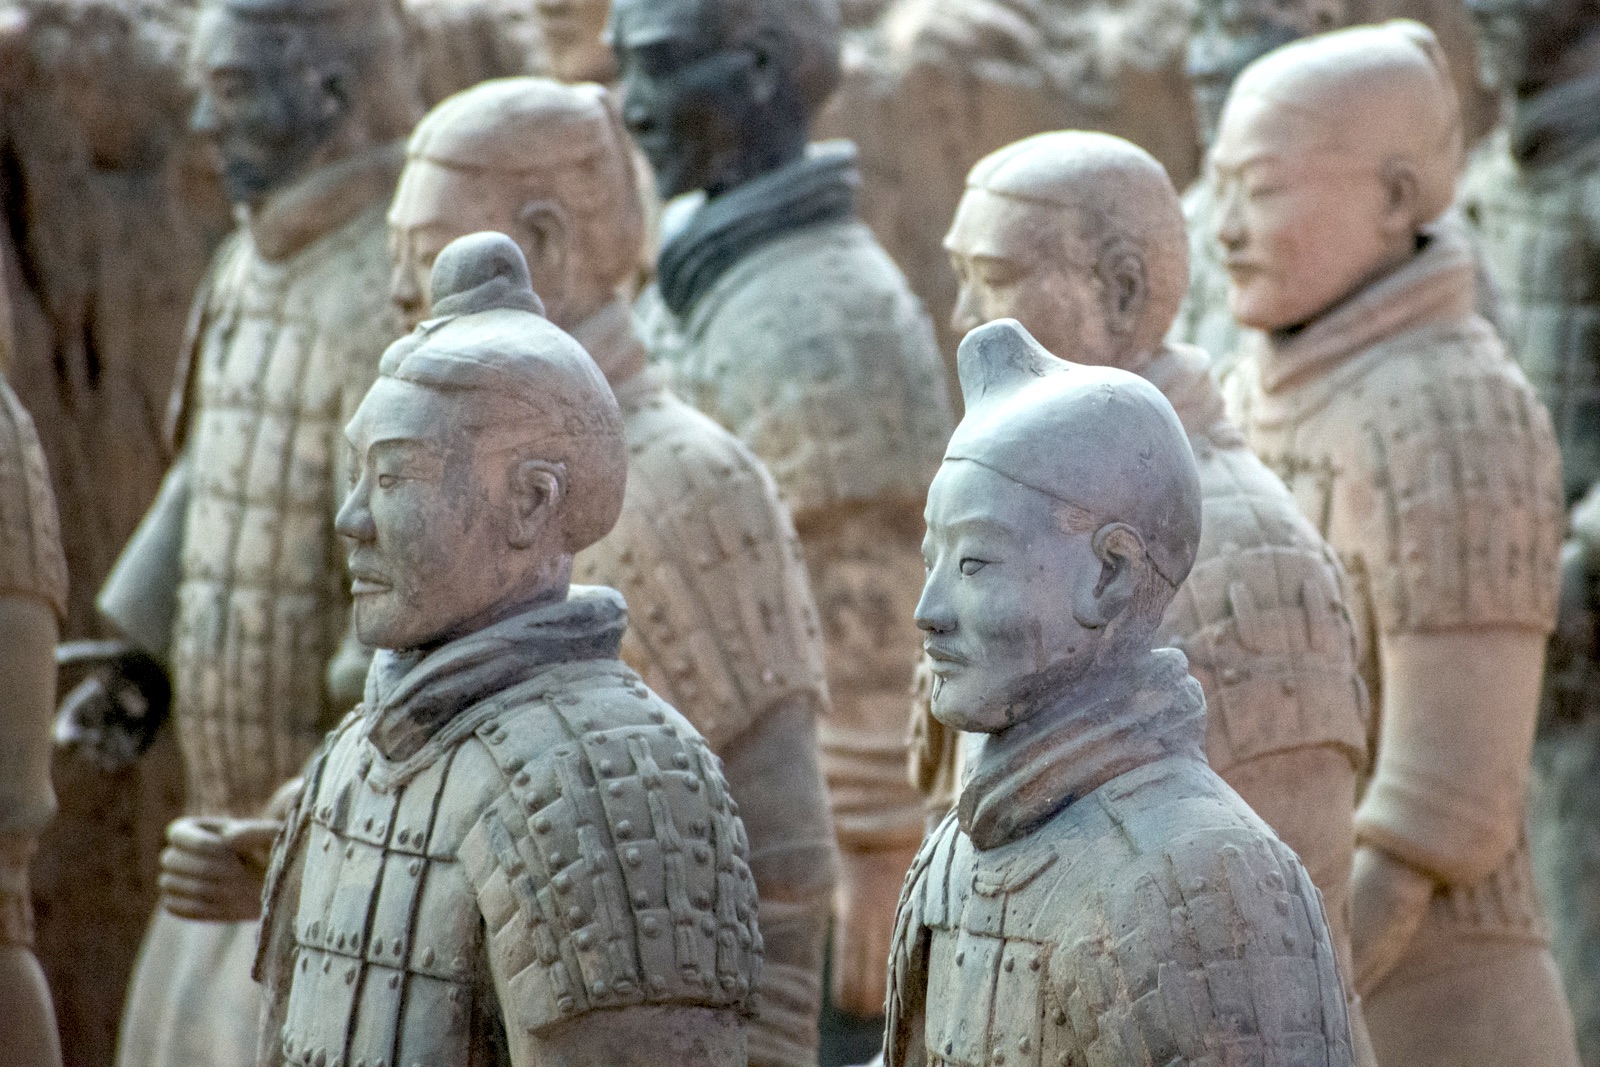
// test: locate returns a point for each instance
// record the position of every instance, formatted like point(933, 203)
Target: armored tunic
point(800, 336)
point(287, 338)
point(512, 834)
point(1538, 223)
point(31, 567)
point(1111, 901)
point(1424, 457)
point(722, 625)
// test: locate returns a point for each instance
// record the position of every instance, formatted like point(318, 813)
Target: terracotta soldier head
point(573, 32)
point(1060, 525)
point(1079, 236)
point(1333, 155)
point(547, 164)
point(1226, 36)
point(288, 86)
point(488, 453)
point(717, 92)
point(1531, 45)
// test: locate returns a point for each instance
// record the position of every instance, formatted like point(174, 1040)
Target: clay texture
point(1099, 895)
point(284, 342)
point(721, 620)
point(777, 313)
point(1394, 415)
point(513, 851)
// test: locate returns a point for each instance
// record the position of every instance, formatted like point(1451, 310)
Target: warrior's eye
point(971, 566)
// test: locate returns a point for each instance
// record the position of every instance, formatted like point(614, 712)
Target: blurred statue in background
point(778, 314)
point(1417, 447)
point(1532, 194)
point(1228, 35)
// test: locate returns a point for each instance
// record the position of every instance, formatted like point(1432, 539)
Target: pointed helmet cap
point(1100, 439)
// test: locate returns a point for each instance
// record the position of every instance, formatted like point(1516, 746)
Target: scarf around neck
point(1019, 779)
point(818, 188)
point(412, 695)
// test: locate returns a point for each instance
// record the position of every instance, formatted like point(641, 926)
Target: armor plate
point(285, 352)
point(31, 563)
point(564, 846)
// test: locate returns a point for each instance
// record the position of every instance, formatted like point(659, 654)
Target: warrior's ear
point(538, 490)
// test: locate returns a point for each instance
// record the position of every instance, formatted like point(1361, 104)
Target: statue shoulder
point(1462, 481)
point(1263, 620)
point(32, 563)
point(612, 869)
point(721, 617)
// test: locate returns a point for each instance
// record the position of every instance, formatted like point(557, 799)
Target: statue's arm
point(27, 698)
point(1445, 805)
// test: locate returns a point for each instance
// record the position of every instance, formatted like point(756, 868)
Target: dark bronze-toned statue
point(513, 853)
point(778, 314)
point(1099, 895)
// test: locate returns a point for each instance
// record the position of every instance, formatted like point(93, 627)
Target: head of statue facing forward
point(547, 164)
point(285, 87)
point(1060, 525)
point(1334, 154)
point(719, 92)
point(1080, 237)
point(487, 454)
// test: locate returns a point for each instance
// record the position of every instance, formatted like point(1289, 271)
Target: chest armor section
point(613, 872)
point(814, 352)
point(1540, 236)
point(1099, 947)
point(389, 966)
point(1263, 622)
point(721, 621)
point(261, 600)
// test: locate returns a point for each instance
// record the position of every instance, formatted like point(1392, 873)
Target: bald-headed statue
point(512, 852)
point(1228, 35)
point(1532, 194)
point(1080, 237)
point(778, 314)
point(234, 582)
point(721, 619)
point(1097, 879)
point(1424, 457)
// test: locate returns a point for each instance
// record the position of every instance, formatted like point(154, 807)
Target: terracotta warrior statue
point(1080, 237)
point(513, 851)
point(33, 601)
point(234, 580)
point(1422, 454)
point(1532, 194)
point(721, 620)
point(1099, 895)
point(1228, 35)
point(779, 315)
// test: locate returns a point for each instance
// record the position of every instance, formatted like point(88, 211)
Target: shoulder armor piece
point(1184, 956)
point(721, 619)
point(1464, 464)
point(613, 869)
point(814, 351)
point(1263, 621)
point(31, 563)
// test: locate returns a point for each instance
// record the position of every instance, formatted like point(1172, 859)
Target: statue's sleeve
point(1461, 546)
point(31, 561)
